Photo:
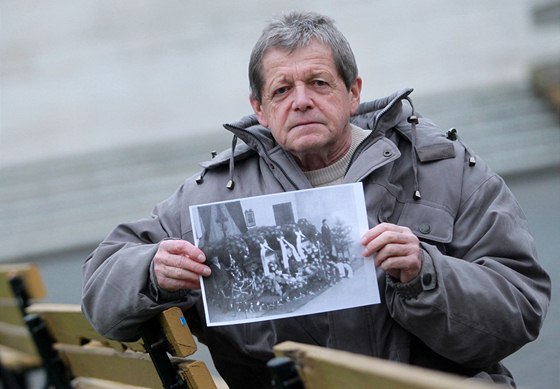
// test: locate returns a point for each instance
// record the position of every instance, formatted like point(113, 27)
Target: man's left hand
point(396, 249)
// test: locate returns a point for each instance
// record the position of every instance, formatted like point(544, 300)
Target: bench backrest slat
point(18, 349)
point(10, 313)
point(132, 368)
point(324, 368)
point(17, 338)
point(197, 375)
point(31, 277)
point(68, 325)
point(177, 331)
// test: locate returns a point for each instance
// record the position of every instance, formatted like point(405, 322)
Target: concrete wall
point(86, 75)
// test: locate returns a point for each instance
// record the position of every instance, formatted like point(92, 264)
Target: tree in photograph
point(341, 240)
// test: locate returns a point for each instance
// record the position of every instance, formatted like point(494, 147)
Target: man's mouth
point(303, 124)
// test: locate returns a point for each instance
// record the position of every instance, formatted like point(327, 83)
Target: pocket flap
point(428, 221)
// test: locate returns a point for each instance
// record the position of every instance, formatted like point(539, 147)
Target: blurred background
point(107, 106)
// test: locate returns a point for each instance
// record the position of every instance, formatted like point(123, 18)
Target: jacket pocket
point(427, 221)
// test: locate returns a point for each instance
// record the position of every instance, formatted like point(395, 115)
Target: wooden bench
point(312, 367)
point(58, 338)
point(158, 360)
point(18, 354)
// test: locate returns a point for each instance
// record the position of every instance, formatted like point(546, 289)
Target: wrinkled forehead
point(312, 45)
point(311, 58)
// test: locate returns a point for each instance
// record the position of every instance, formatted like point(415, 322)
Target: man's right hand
point(178, 265)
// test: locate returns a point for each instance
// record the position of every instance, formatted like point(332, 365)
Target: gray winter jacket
point(480, 296)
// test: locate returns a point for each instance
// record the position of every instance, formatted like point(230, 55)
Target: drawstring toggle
point(412, 119)
point(452, 134)
point(200, 179)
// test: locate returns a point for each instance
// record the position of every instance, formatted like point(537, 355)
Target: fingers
point(382, 235)
point(396, 249)
point(178, 265)
point(182, 247)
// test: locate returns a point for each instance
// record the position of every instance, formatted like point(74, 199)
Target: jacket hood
point(381, 114)
point(395, 111)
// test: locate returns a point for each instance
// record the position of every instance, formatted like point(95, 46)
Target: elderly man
point(461, 286)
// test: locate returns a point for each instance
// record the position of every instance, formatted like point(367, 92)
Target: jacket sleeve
point(484, 295)
point(119, 292)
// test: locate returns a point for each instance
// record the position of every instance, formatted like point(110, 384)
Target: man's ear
point(257, 108)
point(355, 91)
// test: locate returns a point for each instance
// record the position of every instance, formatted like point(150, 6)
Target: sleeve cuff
point(425, 281)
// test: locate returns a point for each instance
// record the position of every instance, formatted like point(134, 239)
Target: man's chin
point(309, 144)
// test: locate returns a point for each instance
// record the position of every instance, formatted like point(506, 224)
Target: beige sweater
point(334, 174)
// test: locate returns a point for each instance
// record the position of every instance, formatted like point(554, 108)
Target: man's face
point(306, 104)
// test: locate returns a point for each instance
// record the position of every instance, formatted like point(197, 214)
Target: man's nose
point(302, 99)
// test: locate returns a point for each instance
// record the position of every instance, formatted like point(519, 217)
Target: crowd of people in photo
point(271, 266)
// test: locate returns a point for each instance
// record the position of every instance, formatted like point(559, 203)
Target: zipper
point(361, 146)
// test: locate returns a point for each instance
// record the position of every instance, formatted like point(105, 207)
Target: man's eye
point(281, 90)
point(320, 83)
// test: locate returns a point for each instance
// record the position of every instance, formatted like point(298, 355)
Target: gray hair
point(295, 30)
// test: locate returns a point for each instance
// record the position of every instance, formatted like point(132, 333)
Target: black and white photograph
point(285, 254)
